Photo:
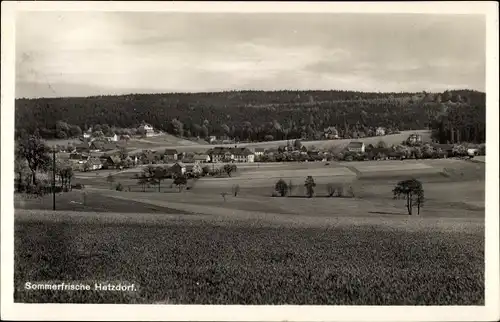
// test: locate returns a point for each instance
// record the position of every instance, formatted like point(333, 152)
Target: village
point(99, 152)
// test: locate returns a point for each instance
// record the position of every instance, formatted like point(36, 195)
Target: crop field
point(198, 247)
point(177, 260)
point(76, 201)
point(159, 143)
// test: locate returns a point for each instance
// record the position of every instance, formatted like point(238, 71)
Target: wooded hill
point(262, 115)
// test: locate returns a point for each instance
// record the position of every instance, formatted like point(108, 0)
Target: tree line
point(261, 115)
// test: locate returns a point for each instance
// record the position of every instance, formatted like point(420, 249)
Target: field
point(194, 247)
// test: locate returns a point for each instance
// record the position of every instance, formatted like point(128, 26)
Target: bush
point(119, 187)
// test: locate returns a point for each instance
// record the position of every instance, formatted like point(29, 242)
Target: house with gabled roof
point(170, 154)
point(201, 158)
point(356, 146)
point(243, 155)
point(259, 151)
point(179, 168)
point(94, 164)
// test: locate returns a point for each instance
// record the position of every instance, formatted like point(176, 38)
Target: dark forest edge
point(252, 116)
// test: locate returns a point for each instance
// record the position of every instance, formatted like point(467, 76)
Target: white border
point(489, 312)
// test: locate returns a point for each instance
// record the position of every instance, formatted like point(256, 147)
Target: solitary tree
point(381, 144)
point(310, 184)
point(34, 150)
point(180, 182)
point(142, 180)
point(159, 175)
point(411, 190)
point(230, 168)
point(281, 187)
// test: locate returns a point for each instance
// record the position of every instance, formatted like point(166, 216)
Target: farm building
point(82, 147)
point(378, 153)
point(147, 129)
point(414, 139)
point(112, 161)
point(356, 147)
point(259, 151)
point(220, 154)
point(112, 138)
point(243, 155)
point(380, 131)
point(170, 155)
point(201, 158)
point(178, 168)
point(94, 164)
point(446, 149)
point(97, 146)
point(78, 158)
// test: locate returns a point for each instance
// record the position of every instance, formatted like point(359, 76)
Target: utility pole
point(53, 178)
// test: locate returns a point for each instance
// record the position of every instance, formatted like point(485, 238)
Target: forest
point(454, 116)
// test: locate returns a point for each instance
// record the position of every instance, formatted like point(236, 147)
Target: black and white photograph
point(251, 157)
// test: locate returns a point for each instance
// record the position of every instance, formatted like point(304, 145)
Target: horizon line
point(250, 90)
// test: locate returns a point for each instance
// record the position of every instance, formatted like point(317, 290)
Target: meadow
point(195, 247)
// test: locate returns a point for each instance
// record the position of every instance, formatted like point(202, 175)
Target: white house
point(148, 129)
point(356, 147)
point(243, 155)
point(212, 138)
point(178, 168)
point(113, 138)
point(201, 158)
point(380, 131)
point(220, 154)
point(259, 151)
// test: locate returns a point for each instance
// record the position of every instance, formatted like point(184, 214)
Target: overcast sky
point(94, 53)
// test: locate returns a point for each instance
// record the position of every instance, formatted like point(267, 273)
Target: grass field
point(222, 262)
point(172, 142)
point(195, 247)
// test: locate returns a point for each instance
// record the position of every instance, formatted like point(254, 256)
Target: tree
point(297, 144)
point(412, 191)
point(35, 152)
point(268, 137)
point(236, 190)
point(21, 170)
point(110, 179)
point(177, 127)
point(206, 170)
point(180, 182)
point(281, 187)
point(142, 180)
point(230, 168)
point(381, 145)
point(159, 175)
point(310, 184)
point(75, 131)
point(66, 174)
point(290, 187)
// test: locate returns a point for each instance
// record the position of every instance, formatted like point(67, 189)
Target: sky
point(105, 53)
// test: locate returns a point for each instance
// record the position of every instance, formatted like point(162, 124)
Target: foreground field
point(196, 247)
point(175, 260)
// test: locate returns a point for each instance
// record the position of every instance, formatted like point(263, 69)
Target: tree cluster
point(260, 115)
